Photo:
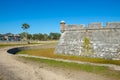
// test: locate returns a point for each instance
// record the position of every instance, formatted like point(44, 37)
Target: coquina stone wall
point(93, 41)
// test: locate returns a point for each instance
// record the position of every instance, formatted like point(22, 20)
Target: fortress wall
point(104, 42)
point(113, 25)
point(70, 44)
point(95, 25)
point(74, 27)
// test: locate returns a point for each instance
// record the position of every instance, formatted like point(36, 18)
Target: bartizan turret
point(62, 26)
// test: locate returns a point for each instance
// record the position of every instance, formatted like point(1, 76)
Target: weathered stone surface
point(104, 41)
point(74, 27)
point(113, 25)
point(95, 25)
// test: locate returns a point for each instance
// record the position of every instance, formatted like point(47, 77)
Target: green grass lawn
point(31, 43)
point(49, 52)
point(6, 45)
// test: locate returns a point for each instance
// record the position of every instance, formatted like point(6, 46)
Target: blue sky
point(44, 16)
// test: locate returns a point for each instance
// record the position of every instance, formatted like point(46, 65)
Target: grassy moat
point(47, 50)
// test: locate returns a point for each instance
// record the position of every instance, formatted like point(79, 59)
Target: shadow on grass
point(15, 50)
point(18, 49)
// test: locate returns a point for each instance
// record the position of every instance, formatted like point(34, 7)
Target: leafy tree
point(40, 36)
point(35, 37)
point(23, 35)
point(29, 36)
point(45, 37)
point(54, 36)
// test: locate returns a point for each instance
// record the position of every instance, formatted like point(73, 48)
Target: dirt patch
point(67, 73)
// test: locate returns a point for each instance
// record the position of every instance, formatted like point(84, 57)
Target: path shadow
point(14, 50)
point(18, 49)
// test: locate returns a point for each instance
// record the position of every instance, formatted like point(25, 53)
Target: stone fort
point(95, 40)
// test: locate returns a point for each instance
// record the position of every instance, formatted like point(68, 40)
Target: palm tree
point(25, 26)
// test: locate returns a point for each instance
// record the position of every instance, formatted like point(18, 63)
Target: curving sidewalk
point(11, 69)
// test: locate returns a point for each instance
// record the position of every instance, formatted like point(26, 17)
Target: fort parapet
point(103, 42)
point(98, 25)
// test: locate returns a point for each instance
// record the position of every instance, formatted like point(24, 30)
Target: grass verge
point(6, 45)
point(31, 43)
